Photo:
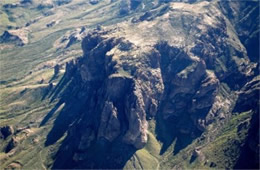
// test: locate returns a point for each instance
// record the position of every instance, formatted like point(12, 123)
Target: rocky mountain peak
point(167, 84)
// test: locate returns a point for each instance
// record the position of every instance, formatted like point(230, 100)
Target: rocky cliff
point(175, 85)
point(171, 69)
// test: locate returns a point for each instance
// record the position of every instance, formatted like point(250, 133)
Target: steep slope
point(174, 86)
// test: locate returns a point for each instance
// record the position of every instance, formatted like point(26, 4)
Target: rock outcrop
point(169, 67)
point(70, 38)
point(163, 84)
point(17, 37)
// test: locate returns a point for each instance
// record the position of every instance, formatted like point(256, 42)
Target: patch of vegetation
point(153, 146)
point(146, 160)
point(223, 152)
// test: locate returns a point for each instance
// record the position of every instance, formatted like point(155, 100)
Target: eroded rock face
point(126, 76)
point(109, 123)
point(249, 91)
point(126, 93)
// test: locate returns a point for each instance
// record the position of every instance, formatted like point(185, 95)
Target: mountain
point(130, 84)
